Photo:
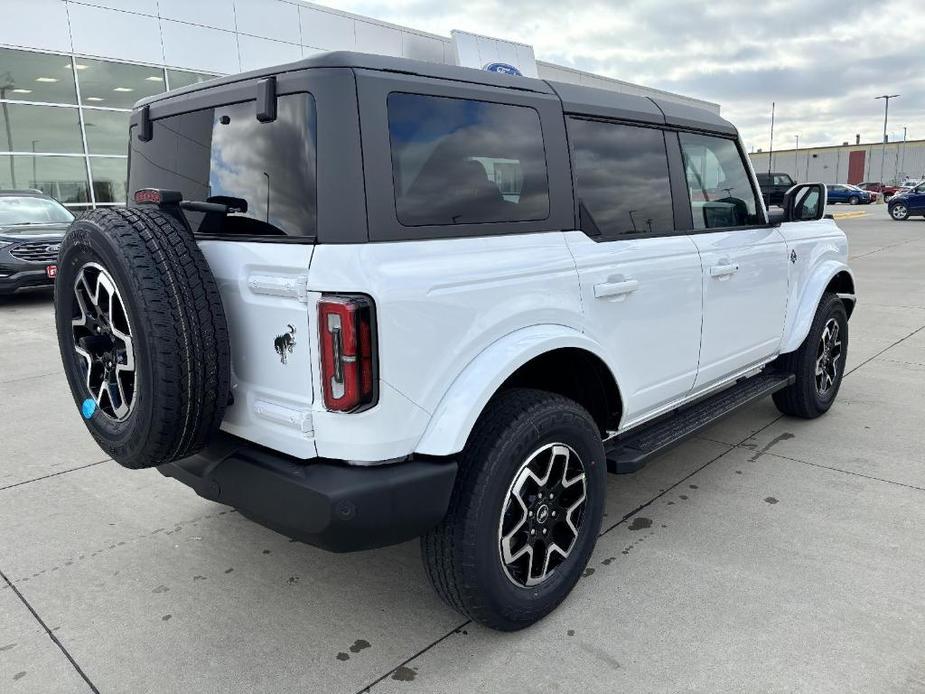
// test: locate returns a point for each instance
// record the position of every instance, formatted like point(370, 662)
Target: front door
point(640, 279)
point(745, 262)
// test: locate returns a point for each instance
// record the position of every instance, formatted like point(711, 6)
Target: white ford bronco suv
point(364, 299)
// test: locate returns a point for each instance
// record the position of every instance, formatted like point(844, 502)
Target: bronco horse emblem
point(284, 343)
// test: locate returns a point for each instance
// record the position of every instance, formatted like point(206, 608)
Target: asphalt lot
point(768, 554)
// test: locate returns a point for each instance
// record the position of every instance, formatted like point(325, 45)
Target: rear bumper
point(331, 505)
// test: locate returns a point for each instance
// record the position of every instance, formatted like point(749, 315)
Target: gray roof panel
point(607, 104)
point(685, 116)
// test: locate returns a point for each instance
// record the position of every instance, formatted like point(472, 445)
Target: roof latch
point(266, 100)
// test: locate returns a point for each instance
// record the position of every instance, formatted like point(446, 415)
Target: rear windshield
point(226, 152)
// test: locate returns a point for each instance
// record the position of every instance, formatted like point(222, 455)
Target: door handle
point(608, 289)
point(724, 270)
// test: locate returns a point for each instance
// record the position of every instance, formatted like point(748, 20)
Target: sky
point(821, 61)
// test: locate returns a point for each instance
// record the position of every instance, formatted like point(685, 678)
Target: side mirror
point(804, 202)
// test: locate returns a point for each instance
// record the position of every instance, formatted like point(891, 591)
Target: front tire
point(525, 513)
point(818, 364)
point(853, 200)
point(899, 212)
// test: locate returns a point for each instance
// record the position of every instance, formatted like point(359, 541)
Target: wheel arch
point(556, 358)
point(831, 276)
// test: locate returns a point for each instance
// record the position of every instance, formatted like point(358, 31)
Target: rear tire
point(464, 555)
point(142, 335)
point(813, 393)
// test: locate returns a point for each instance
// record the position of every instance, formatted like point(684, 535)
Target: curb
point(848, 215)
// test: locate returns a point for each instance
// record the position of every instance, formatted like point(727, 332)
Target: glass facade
point(64, 122)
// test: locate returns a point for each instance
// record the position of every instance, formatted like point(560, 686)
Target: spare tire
point(142, 335)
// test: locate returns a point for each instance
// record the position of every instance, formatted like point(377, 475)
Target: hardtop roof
point(575, 98)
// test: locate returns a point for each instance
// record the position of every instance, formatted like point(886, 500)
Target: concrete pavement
point(767, 554)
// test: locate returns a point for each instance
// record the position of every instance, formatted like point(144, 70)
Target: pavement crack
point(54, 474)
point(421, 652)
point(50, 634)
point(847, 472)
point(886, 349)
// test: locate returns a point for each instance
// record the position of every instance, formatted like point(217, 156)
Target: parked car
point(886, 189)
point(31, 228)
point(425, 300)
point(774, 186)
point(843, 192)
point(907, 204)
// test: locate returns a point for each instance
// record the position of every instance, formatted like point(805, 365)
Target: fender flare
point(463, 402)
point(798, 328)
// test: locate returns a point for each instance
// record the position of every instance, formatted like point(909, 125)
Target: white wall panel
point(375, 38)
point(327, 30)
point(114, 34)
point(35, 24)
point(137, 6)
point(211, 13)
point(270, 19)
point(420, 47)
point(199, 48)
point(257, 52)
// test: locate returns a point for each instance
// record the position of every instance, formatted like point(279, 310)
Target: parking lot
point(767, 554)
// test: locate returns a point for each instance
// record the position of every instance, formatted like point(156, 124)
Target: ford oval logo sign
point(503, 68)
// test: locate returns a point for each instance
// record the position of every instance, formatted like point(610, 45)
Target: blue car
point(904, 205)
point(843, 192)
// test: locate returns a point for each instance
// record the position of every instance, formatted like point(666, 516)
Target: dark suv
point(774, 186)
point(31, 228)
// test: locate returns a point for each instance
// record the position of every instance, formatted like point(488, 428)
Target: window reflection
point(109, 178)
point(457, 161)
point(621, 178)
point(63, 178)
point(116, 85)
point(182, 78)
point(26, 128)
point(107, 131)
point(28, 76)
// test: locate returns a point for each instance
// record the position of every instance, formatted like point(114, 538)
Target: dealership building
point(70, 71)
point(847, 163)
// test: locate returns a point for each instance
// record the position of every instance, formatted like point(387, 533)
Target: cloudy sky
point(822, 61)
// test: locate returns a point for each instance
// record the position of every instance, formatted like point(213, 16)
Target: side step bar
point(630, 451)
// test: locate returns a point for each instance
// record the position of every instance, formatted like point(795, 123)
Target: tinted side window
point(621, 178)
point(720, 190)
point(226, 151)
point(459, 161)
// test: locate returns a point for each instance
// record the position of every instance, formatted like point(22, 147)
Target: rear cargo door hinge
point(291, 286)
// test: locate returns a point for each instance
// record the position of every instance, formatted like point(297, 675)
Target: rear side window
point(462, 161)
point(721, 192)
point(225, 151)
point(621, 178)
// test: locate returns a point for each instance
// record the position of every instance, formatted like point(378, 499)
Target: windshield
point(29, 209)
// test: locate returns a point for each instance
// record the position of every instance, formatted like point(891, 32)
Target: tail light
point(348, 346)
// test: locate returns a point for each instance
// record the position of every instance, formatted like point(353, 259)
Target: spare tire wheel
point(142, 335)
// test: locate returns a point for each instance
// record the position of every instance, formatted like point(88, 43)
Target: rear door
point(640, 279)
point(745, 261)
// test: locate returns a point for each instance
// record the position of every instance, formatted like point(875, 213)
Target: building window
point(109, 176)
point(27, 128)
point(28, 76)
point(461, 161)
point(116, 85)
point(63, 178)
point(107, 131)
point(621, 179)
point(182, 78)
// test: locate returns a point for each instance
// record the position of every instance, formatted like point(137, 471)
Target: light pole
point(886, 113)
point(902, 165)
